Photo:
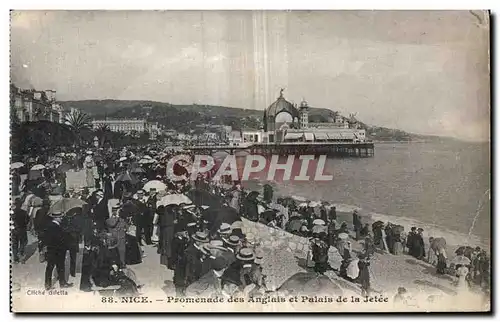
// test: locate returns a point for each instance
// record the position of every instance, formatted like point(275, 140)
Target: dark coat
point(250, 210)
point(166, 236)
point(179, 246)
point(101, 212)
point(54, 237)
point(41, 220)
point(20, 220)
point(209, 285)
point(195, 268)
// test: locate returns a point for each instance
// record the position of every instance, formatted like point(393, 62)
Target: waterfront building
point(128, 126)
point(33, 105)
point(285, 122)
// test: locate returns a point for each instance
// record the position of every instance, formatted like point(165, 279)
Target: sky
point(420, 71)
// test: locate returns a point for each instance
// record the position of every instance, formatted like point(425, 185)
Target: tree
point(78, 121)
point(103, 132)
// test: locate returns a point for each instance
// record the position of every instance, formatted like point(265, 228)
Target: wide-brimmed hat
point(233, 240)
point(219, 263)
point(200, 237)
point(56, 214)
point(259, 256)
point(187, 206)
point(225, 228)
point(213, 245)
point(237, 225)
point(89, 152)
point(245, 254)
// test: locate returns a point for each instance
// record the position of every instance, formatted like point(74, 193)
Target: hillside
point(185, 117)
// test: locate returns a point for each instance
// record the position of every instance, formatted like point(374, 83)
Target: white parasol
point(16, 165)
point(38, 167)
point(461, 260)
point(343, 236)
point(155, 184)
point(174, 199)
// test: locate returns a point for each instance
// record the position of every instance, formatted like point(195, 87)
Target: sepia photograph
point(180, 161)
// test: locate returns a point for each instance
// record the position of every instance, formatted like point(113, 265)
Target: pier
point(333, 149)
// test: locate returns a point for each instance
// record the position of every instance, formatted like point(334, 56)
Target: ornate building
point(285, 122)
point(281, 116)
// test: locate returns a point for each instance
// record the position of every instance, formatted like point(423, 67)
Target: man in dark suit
point(195, 256)
point(20, 220)
point(56, 251)
point(210, 283)
point(101, 212)
point(118, 227)
point(141, 218)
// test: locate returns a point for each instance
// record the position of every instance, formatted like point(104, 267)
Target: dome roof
point(282, 105)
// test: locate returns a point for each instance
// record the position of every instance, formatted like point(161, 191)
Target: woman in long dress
point(462, 285)
point(397, 245)
point(166, 227)
point(89, 170)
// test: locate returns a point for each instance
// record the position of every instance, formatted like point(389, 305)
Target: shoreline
point(344, 213)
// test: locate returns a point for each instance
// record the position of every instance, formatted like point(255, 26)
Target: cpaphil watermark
point(250, 167)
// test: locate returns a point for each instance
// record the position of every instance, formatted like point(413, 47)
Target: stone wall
point(279, 239)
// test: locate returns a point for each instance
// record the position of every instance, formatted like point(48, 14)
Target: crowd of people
point(195, 224)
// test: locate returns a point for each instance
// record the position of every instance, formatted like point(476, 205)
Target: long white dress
point(89, 171)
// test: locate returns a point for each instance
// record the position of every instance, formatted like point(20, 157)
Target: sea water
point(439, 187)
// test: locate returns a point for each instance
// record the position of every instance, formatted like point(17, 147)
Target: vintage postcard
point(250, 161)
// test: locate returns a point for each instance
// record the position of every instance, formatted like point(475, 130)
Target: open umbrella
point(319, 229)
point(461, 260)
point(217, 216)
point(343, 236)
point(299, 198)
point(309, 283)
point(173, 199)
point(288, 202)
point(438, 243)
point(267, 215)
point(156, 184)
point(127, 177)
point(137, 170)
point(294, 224)
point(63, 168)
point(64, 205)
point(204, 198)
point(16, 165)
point(37, 167)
